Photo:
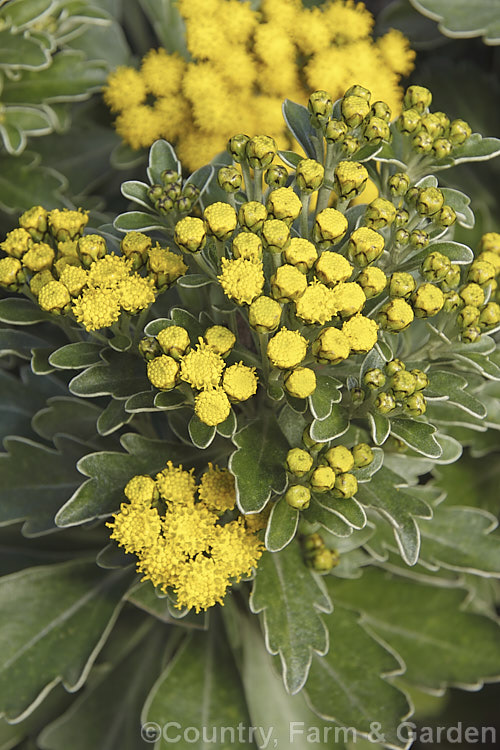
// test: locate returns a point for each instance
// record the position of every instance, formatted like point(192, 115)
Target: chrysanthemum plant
point(226, 442)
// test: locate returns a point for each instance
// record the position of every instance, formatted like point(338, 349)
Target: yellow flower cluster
point(69, 272)
point(181, 543)
point(202, 367)
point(243, 64)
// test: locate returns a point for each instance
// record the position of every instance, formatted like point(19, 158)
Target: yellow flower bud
point(17, 243)
point(275, 235)
point(220, 339)
point(54, 297)
point(468, 316)
point(362, 454)
point(264, 314)
point(481, 272)
point(320, 105)
point(174, 341)
point(276, 176)
point(39, 257)
point(417, 97)
point(67, 225)
point(398, 183)
point(361, 333)
point(329, 228)
point(340, 459)
point(299, 462)
point(286, 349)
point(379, 213)
point(141, 490)
point(354, 110)
point(35, 222)
point(347, 299)
point(237, 146)
point(442, 148)
point(489, 315)
point(395, 315)
point(402, 285)
point(260, 151)
point(491, 258)
point(472, 294)
point(415, 405)
point(374, 379)
point(39, 280)
point(301, 382)
point(11, 273)
point(300, 253)
point(324, 560)
point(427, 300)
point(459, 132)
point(284, 204)
point(298, 497)
point(489, 241)
point(239, 382)
point(220, 220)
point(403, 384)
point(331, 346)
point(97, 308)
point(385, 403)
point(365, 246)
point(247, 246)
point(190, 234)
point(229, 179)
point(163, 372)
point(212, 406)
point(376, 130)
point(316, 305)
point(136, 246)
point(335, 131)
point(429, 201)
point(252, 216)
point(288, 283)
point(372, 281)
point(332, 268)
point(350, 179)
point(322, 479)
point(201, 367)
point(309, 175)
point(164, 266)
point(346, 486)
point(242, 280)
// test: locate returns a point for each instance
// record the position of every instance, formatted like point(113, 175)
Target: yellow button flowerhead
point(284, 204)
point(220, 339)
point(217, 489)
point(35, 221)
point(136, 293)
point(288, 283)
point(252, 216)
point(39, 257)
point(301, 382)
point(372, 281)
point(298, 497)
point(347, 299)
point(162, 72)
point(90, 248)
point(332, 346)
point(11, 273)
point(74, 279)
point(379, 213)
point(287, 349)
point(202, 367)
point(67, 225)
point(17, 242)
point(329, 228)
point(141, 490)
point(354, 110)
point(264, 314)
point(220, 220)
point(402, 284)
point(54, 297)
point(260, 151)
point(248, 246)
point(241, 280)
point(309, 175)
point(361, 333)
point(163, 372)
point(489, 241)
point(135, 245)
point(340, 459)
point(300, 253)
point(322, 479)
point(164, 266)
point(174, 341)
point(332, 268)
point(38, 281)
point(492, 258)
point(316, 305)
point(346, 486)
point(109, 271)
point(139, 125)
point(97, 308)
point(363, 455)
point(395, 315)
point(212, 406)
point(427, 300)
point(239, 382)
point(481, 272)
point(299, 461)
point(350, 179)
point(190, 234)
point(472, 294)
point(175, 484)
point(365, 246)
point(125, 88)
point(275, 235)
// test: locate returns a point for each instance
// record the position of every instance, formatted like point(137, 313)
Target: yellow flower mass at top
point(244, 63)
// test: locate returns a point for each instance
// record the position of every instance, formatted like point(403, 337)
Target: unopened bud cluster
point(173, 194)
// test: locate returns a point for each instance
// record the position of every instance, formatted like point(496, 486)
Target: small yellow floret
point(163, 372)
point(220, 339)
point(139, 126)
point(316, 305)
point(17, 242)
point(283, 203)
point(241, 280)
point(240, 382)
point(109, 271)
point(54, 297)
point(97, 308)
point(248, 246)
point(331, 346)
point(288, 283)
point(141, 490)
point(212, 406)
point(332, 268)
point(220, 220)
point(264, 314)
point(175, 484)
point(217, 489)
point(329, 227)
point(136, 293)
point(67, 225)
point(74, 279)
point(301, 382)
point(162, 72)
point(174, 340)
point(125, 88)
point(39, 257)
point(300, 253)
point(361, 333)
point(190, 234)
point(395, 49)
point(347, 299)
point(202, 367)
point(287, 349)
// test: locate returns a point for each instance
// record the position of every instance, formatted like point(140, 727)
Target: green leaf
point(477, 148)
point(462, 539)
point(107, 713)
point(68, 416)
point(120, 375)
point(349, 684)
point(22, 52)
point(194, 281)
point(455, 251)
point(56, 620)
point(291, 598)
point(200, 688)
point(20, 397)
point(481, 362)
point(452, 385)
point(322, 514)
point(259, 444)
point(380, 428)
point(137, 192)
point(333, 426)
point(228, 427)
point(348, 510)
point(281, 526)
point(24, 183)
point(34, 121)
point(20, 13)
point(366, 472)
point(76, 356)
point(416, 619)
point(138, 221)
point(144, 596)
point(68, 78)
point(326, 394)
point(161, 156)
point(112, 418)
point(461, 205)
point(417, 435)
point(460, 18)
point(109, 472)
point(298, 121)
point(18, 342)
point(383, 492)
point(201, 434)
point(22, 312)
point(179, 317)
point(168, 400)
point(36, 481)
